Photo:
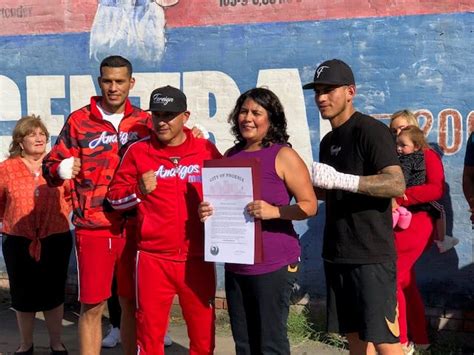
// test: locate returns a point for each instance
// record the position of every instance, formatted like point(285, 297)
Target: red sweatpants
point(158, 281)
point(410, 244)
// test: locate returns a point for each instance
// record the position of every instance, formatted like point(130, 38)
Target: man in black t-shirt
point(357, 175)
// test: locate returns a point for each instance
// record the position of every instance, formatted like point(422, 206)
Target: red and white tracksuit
point(170, 241)
point(86, 135)
point(410, 244)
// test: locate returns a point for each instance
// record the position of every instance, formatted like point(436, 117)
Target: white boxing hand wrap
point(326, 177)
point(65, 168)
point(204, 131)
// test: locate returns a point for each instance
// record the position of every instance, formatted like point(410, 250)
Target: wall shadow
point(311, 279)
point(442, 282)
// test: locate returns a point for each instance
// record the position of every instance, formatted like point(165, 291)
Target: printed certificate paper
point(231, 235)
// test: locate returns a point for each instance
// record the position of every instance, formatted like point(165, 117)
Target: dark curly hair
point(276, 116)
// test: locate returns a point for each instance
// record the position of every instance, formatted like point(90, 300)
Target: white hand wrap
point(326, 177)
point(204, 131)
point(65, 168)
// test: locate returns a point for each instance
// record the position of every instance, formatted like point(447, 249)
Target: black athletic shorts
point(362, 298)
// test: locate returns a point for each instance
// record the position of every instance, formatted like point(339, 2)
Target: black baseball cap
point(167, 99)
point(332, 72)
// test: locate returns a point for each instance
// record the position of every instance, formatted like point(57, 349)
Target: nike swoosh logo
point(394, 327)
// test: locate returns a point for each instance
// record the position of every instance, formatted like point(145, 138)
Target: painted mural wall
point(414, 54)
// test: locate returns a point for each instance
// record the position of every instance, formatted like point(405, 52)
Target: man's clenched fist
point(147, 182)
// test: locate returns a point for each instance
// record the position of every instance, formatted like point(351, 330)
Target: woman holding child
point(412, 241)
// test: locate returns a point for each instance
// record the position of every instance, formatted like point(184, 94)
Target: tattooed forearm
point(388, 183)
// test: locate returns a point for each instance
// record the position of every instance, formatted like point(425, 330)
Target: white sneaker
point(168, 341)
point(112, 338)
point(408, 348)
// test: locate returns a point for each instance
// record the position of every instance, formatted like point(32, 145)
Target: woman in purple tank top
point(258, 295)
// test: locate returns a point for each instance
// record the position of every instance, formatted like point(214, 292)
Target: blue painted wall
point(416, 62)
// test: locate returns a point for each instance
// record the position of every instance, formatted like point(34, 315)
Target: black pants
point(37, 286)
point(258, 310)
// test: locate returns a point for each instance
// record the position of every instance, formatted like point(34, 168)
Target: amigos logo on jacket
point(182, 171)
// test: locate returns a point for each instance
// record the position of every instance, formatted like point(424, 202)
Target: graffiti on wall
point(134, 29)
point(65, 16)
point(15, 12)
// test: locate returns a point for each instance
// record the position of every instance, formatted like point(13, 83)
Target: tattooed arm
point(389, 182)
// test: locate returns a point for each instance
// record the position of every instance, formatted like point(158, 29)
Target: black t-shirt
point(358, 227)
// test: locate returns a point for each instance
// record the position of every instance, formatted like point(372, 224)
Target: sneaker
point(112, 338)
point(408, 348)
point(168, 341)
point(447, 243)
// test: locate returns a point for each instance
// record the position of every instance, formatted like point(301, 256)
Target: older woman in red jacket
point(411, 242)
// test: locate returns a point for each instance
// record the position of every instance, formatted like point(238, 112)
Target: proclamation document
point(231, 235)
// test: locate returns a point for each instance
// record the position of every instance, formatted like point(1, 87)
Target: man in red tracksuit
point(88, 152)
point(161, 177)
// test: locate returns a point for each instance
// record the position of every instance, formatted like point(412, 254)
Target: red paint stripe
point(60, 16)
point(196, 13)
point(26, 17)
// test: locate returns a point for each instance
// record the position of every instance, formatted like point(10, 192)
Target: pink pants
point(410, 244)
point(158, 281)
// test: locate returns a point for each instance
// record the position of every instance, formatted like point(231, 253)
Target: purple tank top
point(280, 241)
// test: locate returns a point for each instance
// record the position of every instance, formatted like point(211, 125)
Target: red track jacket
point(167, 217)
point(87, 136)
